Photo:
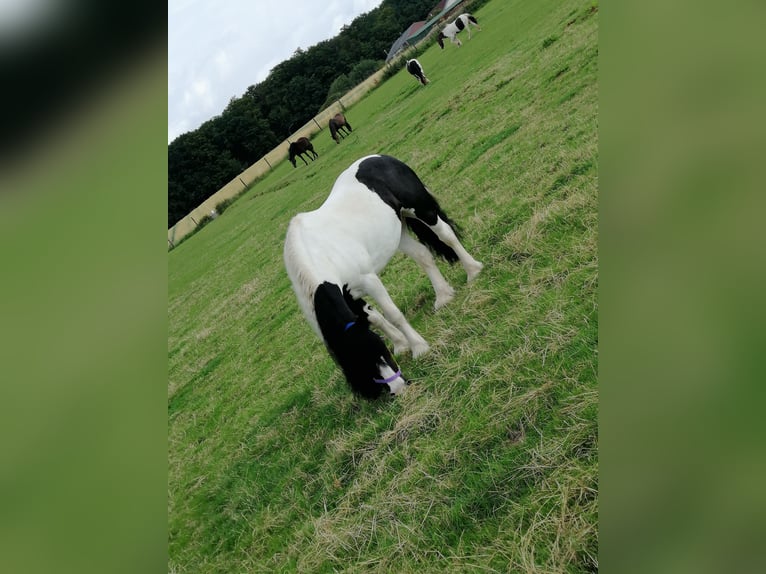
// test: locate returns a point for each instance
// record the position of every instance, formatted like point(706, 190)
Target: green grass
point(488, 462)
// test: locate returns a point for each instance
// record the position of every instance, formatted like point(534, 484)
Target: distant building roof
point(436, 9)
point(418, 30)
point(414, 27)
point(402, 40)
point(442, 6)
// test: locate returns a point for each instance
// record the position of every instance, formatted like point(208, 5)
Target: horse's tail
point(428, 238)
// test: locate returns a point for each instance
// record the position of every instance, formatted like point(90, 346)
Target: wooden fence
point(270, 160)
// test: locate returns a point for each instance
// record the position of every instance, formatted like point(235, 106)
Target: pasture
point(488, 461)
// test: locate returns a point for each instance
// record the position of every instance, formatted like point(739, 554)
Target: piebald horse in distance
point(337, 123)
point(464, 21)
point(414, 68)
point(334, 254)
point(299, 147)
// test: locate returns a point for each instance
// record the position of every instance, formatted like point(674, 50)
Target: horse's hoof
point(443, 299)
point(474, 270)
point(400, 349)
point(419, 349)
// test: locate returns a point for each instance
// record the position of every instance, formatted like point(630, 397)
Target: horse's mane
point(346, 333)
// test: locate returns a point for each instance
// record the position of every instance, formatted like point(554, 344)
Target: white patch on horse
point(395, 335)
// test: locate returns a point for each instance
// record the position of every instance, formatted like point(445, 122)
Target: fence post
point(315, 121)
point(267, 162)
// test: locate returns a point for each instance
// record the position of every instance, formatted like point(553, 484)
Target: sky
point(219, 48)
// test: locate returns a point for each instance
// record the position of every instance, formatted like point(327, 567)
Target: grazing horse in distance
point(334, 254)
point(299, 147)
point(464, 21)
point(414, 68)
point(338, 122)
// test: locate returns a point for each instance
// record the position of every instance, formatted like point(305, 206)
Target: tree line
point(203, 160)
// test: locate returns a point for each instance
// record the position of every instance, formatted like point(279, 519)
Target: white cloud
point(216, 50)
point(223, 64)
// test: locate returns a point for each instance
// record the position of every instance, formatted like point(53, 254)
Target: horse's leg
point(444, 232)
point(372, 285)
point(422, 256)
point(395, 335)
point(348, 125)
point(303, 158)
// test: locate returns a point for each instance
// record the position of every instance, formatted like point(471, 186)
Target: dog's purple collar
point(390, 379)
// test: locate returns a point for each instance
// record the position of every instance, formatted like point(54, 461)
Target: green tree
point(201, 161)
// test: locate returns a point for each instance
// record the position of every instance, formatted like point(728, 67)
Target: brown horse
point(337, 123)
point(299, 147)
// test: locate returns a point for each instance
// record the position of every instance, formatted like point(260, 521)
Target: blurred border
point(681, 286)
point(83, 201)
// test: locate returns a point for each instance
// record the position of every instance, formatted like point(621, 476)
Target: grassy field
point(488, 463)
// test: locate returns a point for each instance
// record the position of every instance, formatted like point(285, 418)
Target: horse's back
point(398, 186)
point(353, 216)
point(352, 199)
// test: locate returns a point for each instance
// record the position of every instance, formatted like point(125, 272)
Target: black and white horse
point(464, 21)
point(298, 148)
point(414, 68)
point(333, 256)
point(337, 123)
